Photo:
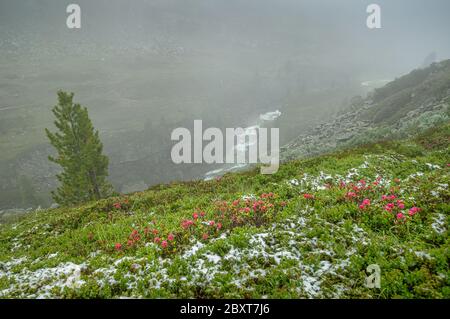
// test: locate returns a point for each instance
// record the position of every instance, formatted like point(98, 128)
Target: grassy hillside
point(309, 231)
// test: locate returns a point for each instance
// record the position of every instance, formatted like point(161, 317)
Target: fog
point(143, 68)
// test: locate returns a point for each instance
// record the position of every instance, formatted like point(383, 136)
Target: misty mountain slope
point(309, 231)
point(409, 93)
point(412, 103)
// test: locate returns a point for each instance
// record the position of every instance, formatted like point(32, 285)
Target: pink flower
point(186, 223)
point(219, 225)
point(365, 202)
point(117, 205)
point(413, 211)
point(308, 196)
point(164, 244)
point(351, 194)
point(195, 215)
point(400, 216)
point(202, 214)
point(118, 246)
point(205, 236)
point(157, 240)
point(401, 205)
point(236, 202)
point(211, 223)
point(170, 237)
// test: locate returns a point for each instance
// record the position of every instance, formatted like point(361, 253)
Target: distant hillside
point(422, 87)
point(409, 104)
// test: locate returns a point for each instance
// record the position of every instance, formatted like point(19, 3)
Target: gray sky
point(334, 31)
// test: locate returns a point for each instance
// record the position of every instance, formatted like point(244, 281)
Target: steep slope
point(309, 231)
point(412, 103)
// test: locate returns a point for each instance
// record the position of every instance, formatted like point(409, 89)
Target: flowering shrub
point(120, 204)
point(378, 202)
point(308, 196)
point(206, 225)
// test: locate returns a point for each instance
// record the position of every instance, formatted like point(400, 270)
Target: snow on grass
point(42, 282)
point(439, 224)
point(422, 254)
point(266, 251)
point(6, 267)
point(193, 250)
point(263, 252)
point(432, 166)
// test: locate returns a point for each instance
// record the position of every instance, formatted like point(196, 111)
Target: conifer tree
point(79, 149)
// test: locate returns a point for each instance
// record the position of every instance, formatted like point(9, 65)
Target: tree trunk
point(95, 188)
